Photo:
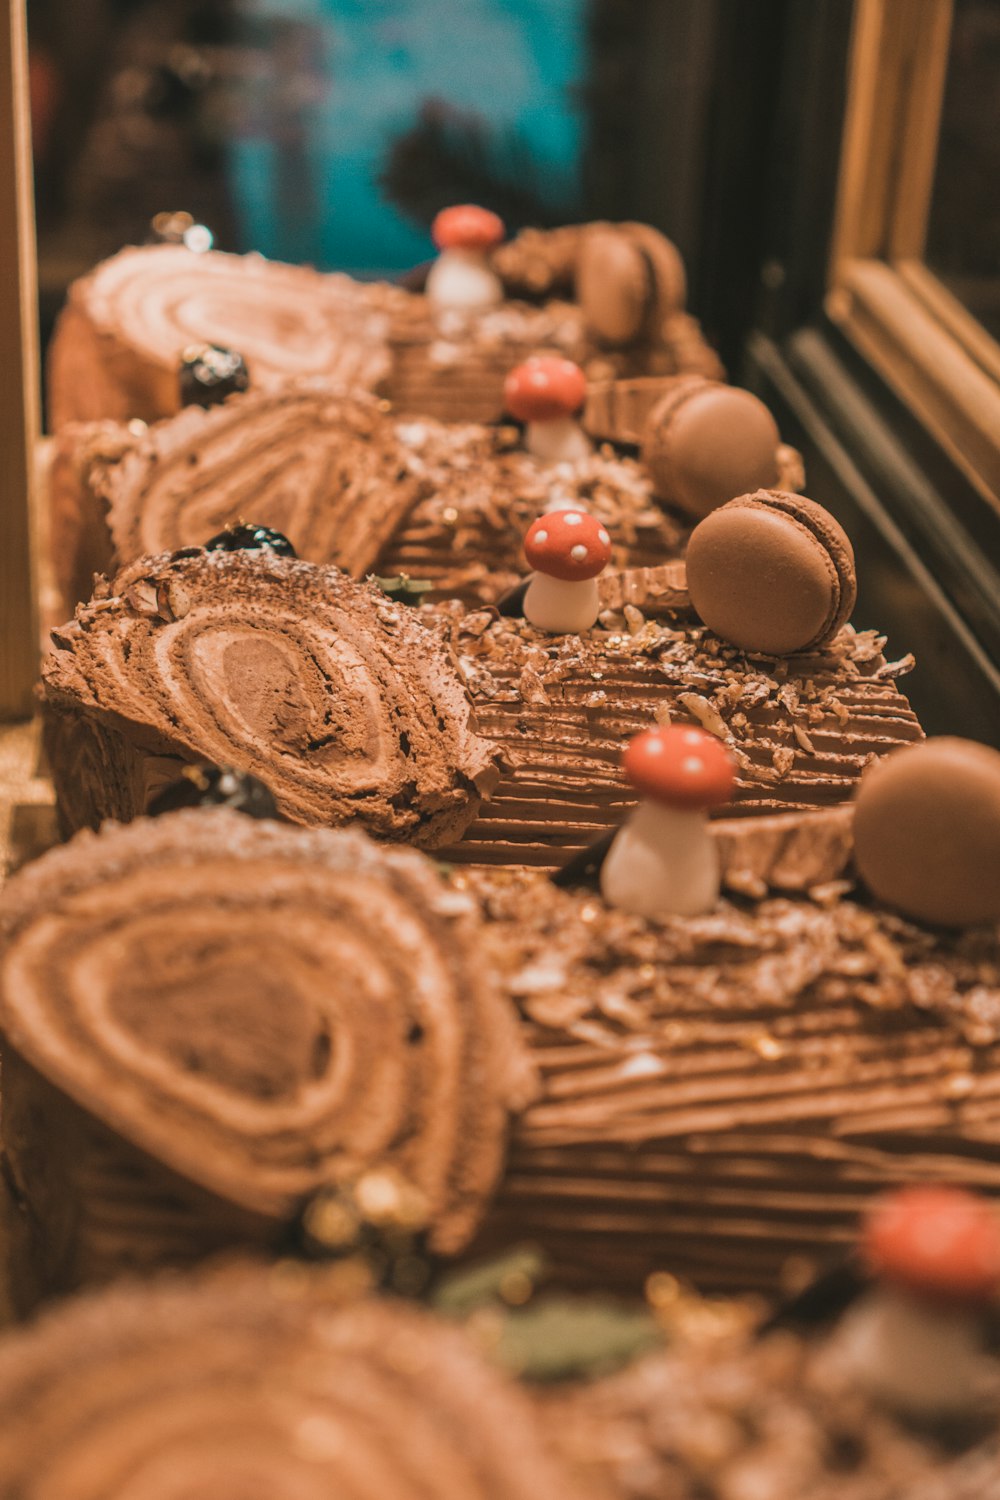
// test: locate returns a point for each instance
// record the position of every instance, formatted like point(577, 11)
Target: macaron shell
point(665, 267)
point(927, 832)
point(761, 579)
point(715, 444)
point(612, 285)
point(834, 538)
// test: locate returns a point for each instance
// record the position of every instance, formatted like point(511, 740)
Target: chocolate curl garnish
point(379, 1222)
point(344, 703)
point(323, 469)
point(281, 1013)
point(259, 1382)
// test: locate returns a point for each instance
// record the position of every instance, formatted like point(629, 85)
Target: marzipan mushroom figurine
point(547, 393)
point(461, 279)
point(568, 550)
point(664, 860)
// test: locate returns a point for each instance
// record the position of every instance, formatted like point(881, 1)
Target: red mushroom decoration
point(546, 392)
point(567, 549)
point(934, 1256)
point(461, 277)
point(664, 860)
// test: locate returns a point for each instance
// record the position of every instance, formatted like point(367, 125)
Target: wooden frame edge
point(19, 372)
point(925, 364)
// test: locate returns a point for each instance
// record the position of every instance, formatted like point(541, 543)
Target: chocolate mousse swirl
point(208, 1019)
point(324, 468)
point(338, 699)
point(254, 1384)
point(118, 344)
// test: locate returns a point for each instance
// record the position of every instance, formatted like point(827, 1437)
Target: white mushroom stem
point(561, 606)
point(463, 279)
point(663, 862)
point(557, 441)
point(917, 1358)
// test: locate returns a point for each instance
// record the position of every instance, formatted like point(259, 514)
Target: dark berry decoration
point(209, 374)
point(244, 536)
point(215, 786)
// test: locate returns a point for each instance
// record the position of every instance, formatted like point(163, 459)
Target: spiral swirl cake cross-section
point(323, 467)
point(236, 1389)
point(342, 701)
point(207, 1019)
point(118, 344)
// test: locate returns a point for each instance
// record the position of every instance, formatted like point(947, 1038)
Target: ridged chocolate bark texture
point(117, 347)
point(323, 468)
point(724, 1093)
point(206, 1019)
point(453, 368)
point(466, 535)
point(801, 728)
point(337, 698)
point(722, 1414)
point(256, 1383)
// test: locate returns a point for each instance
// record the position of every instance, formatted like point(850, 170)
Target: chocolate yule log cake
point(451, 347)
point(465, 537)
point(120, 340)
point(893, 1395)
point(347, 483)
point(334, 695)
point(209, 1019)
point(117, 349)
point(325, 469)
point(802, 700)
point(257, 1383)
point(721, 1092)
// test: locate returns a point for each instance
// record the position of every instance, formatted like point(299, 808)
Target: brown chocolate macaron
point(927, 831)
point(629, 277)
point(704, 443)
point(772, 572)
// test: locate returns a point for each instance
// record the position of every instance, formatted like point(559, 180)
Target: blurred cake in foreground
point(888, 1390)
point(260, 1383)
point(282, 1013)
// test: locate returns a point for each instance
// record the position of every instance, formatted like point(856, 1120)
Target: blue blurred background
point(355, 74)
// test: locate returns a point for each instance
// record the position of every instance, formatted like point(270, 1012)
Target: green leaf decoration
point(543, 1337)
point(566, 1338)
point(402, 588)
point(461, 1293)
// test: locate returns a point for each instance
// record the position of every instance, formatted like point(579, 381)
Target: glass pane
point(963, 242)
point(327, 131)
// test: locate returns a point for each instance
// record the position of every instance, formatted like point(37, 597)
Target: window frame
point(880, 293)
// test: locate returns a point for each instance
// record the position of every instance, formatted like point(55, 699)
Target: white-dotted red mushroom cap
point(938, 1242)
point(681, 767)
point(545, 387)
point(467, 227)
point(567, 544)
